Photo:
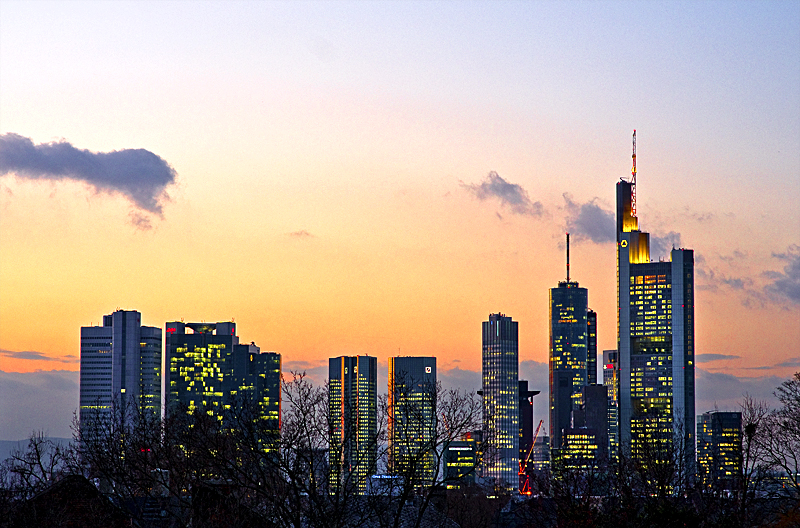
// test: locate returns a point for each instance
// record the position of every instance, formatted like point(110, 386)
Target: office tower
point(500, 393)
point(591, 347)
point(412, 418)
point(540, 457)
point(526, 432)
point(209, 370)
point(655, 342)
point(459, 459)
point(570, 355)
point(610, 380)
point(353, 408)
point(120, 368)
point(719, 449)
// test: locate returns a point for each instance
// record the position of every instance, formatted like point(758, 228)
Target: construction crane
point(524, 477)
point(633, 177)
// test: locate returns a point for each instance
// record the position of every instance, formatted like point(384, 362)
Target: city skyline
point(393, 160)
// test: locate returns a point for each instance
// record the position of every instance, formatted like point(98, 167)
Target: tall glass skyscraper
point(353, 409)
point(412, 417)
point(208, 369)
point(120, 366)
point(573, 352)
point(656, 340)
point(501, 399)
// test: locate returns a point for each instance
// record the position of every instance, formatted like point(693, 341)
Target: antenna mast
point(633, 177)
point(567, 257)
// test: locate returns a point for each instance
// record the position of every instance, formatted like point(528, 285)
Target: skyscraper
point(719, 449)
point(353, 409)
point(656, 339)
point(412, 417)
point(612, 383)
point(573, 352)
point(501, 399)
point(210, 370)
point(121, 367)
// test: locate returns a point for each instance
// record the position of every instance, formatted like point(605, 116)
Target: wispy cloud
point(32, 355)
point(300, 234)
point(138, 174)
point(786, 284)
point(511, 195)
point(705, 358)
point(661, 245)
point(590, 220)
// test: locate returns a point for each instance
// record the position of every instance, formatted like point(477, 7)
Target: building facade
point(120, 369)
point(569, 353)
point(353, 410)
point(211, 371)
point(500, 391)
point(655, 342)
point(610, 380)
point(719, 450)
point(412, 420)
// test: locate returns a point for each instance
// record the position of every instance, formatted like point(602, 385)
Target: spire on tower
point(633, 177)
point(567, 257)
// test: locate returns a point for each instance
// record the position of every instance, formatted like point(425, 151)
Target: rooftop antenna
point(633, 177)
point(567, 257)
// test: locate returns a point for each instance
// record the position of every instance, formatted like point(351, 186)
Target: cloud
point(786, 284)
point(32, 355)
point(590, 221)
point(725, 390)
point(511, 195)
point(44, 400)
point(138, 174)
point(705, 358)
point(661, 246)
point(793, 362)
point(300, 234)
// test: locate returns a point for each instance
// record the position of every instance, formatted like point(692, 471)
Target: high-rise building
point(655, 342)
point(526, 432)
point(573, 351)
point(210, 370)
point(353, 409)
point(500, 393)
point(120, 368)
point(719, 449)
point(412, 417)
point(459, 460)
point(611, 382)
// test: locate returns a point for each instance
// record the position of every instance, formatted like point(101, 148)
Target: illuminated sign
point(624, 243)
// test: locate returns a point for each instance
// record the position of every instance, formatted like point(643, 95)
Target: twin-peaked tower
point(656, 340)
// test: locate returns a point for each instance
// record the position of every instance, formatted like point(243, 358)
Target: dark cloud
point(37, 401)
point(32, 355)
point(793, 362)
point(661, 245)
point(511, 195)
point(705, 358)
point(138, 174)
point(590, 221)
point(457, 378)
point(300, 234)
point(786, 284)
point(725, 391)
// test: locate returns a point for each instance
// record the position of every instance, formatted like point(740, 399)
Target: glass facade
point(353, 407)
point(210, 371)
point(121, 367)
point(500, 392)
point(719, 450)
point(412, 417)
point(655, 343)
point(569, 346)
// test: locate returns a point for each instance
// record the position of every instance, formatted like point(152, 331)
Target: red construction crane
point(524, 477)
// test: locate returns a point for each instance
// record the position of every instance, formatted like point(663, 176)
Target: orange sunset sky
point(332, 187)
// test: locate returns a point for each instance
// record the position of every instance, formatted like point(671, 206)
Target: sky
point(378, 177)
